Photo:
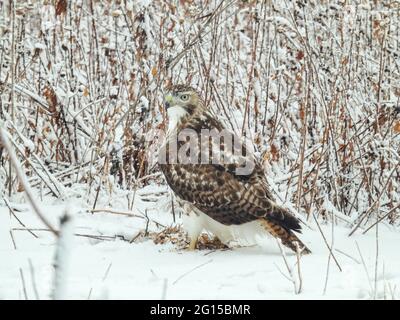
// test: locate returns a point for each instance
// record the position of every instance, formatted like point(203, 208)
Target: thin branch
point(22, 179)
point(191, 270)
point(326, 242)
point(291, 275)
point(21, 273)
point(32, 272)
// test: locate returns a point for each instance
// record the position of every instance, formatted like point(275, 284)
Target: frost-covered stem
point(124, 213)
point(331, 247)
point(107, 272)
point(101, 178)
point(364, 265)
point(381, 66)
point(12, 3)
point(268, 72)
point(22, 179)
point(326, 243)
point(249, 87)
point(16, 218)
point(376, 258)
point(222, 104)
point(302, 150)
point(62, 258)
point(32, 272)
point(277, 103)
point(291, 275)
point(314, 183)
point(21, 273)
point(191, 270)
point(12, 7)
point(13, 240)
point(327, 275)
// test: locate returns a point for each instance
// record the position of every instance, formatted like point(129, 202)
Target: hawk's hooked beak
point(168, 99)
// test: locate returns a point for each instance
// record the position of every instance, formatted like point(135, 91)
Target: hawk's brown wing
point(226, 197)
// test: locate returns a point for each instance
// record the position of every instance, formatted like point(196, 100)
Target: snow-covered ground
point(111, 267)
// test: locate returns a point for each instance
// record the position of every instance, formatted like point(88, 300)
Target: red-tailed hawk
point(218, 182)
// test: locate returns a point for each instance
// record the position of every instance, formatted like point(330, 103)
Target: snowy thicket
point(316, 84)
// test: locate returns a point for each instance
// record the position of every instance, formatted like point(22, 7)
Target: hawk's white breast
point(175, 113)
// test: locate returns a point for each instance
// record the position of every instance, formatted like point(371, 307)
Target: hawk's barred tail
point(287, 237)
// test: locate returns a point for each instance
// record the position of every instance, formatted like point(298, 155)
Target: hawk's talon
point(193, 244)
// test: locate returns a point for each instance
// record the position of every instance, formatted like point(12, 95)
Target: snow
point(113, 268)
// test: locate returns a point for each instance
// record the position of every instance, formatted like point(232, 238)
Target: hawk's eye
point(184, 97)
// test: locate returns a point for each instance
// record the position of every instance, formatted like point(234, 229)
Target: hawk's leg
point(193, 243)
point(193, 225)
point(194, 233)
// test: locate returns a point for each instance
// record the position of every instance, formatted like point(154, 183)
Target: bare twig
point(347, 255)
point(21, 273)
point(376, 259)
point(290, 271)
point(365, 267)
point(191, 270)
point(32, 272)
point(326, 243)
point(112, 211)
point(107, 272)
point(13, 240)
point(15, 216)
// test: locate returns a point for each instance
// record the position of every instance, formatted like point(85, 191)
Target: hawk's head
point(182, 96)
point(181, 101)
